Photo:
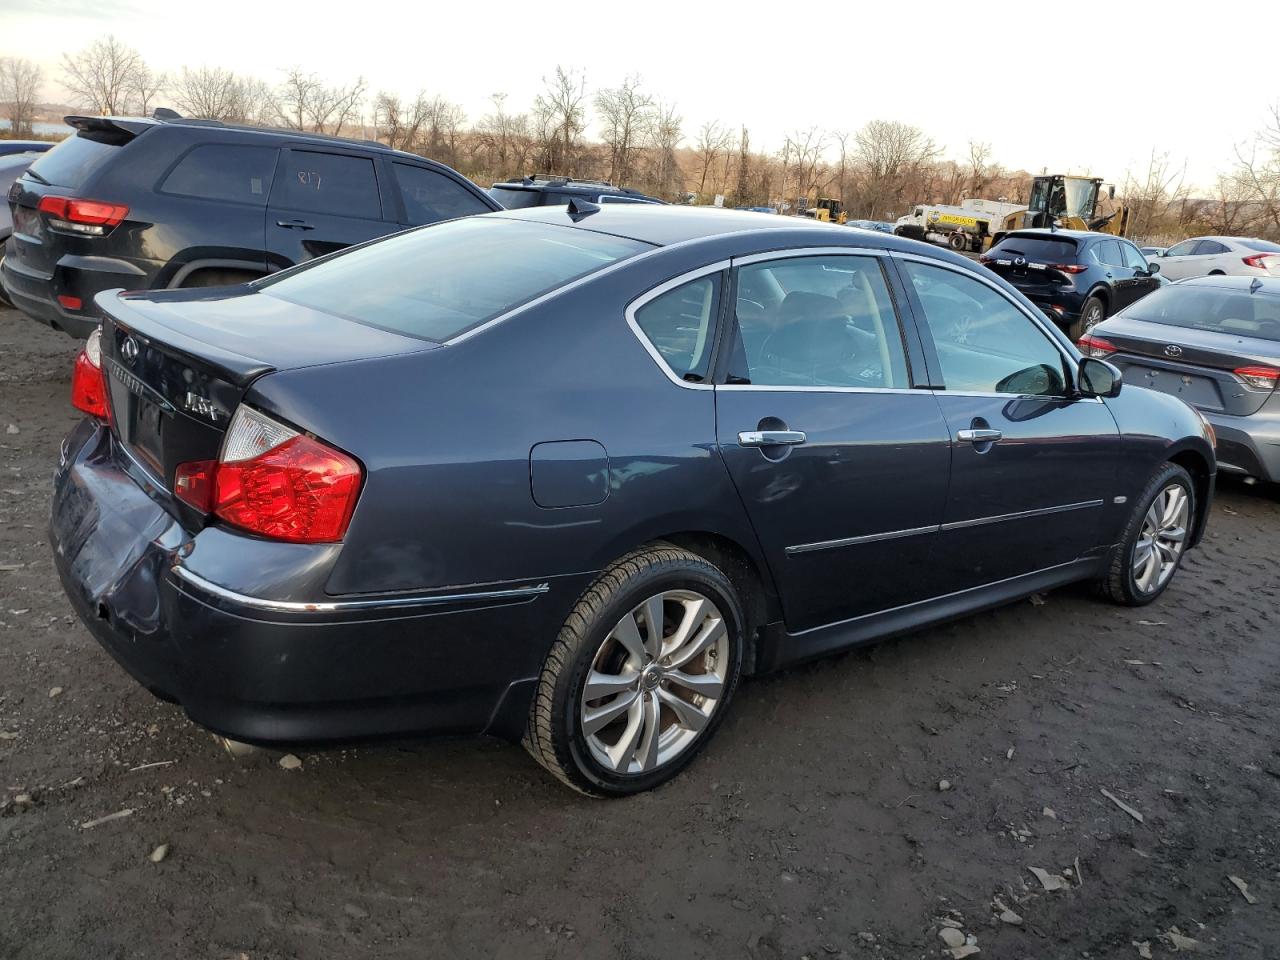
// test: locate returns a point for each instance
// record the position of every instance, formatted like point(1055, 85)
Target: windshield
point(1238, 313)
point(1081, 197)
point(440, 281)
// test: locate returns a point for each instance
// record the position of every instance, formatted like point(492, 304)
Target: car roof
point(1267, 285)
point(666, 224)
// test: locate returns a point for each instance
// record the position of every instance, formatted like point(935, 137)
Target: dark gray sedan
point(567, 474)
point(1215, 343)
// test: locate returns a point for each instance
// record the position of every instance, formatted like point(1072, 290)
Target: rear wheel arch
point(215, 272)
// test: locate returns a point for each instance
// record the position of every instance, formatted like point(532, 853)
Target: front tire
point(641, 674)
point(1154, 541)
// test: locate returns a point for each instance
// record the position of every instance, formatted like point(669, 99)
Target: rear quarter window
point(215, 171)
point(77, 158)
point(1036, 249)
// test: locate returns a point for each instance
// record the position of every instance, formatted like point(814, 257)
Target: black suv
point(167, 202)
point(544, 191)
point(1078, 278)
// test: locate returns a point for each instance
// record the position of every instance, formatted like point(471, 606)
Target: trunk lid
point(177, 364)
point(1195, 365)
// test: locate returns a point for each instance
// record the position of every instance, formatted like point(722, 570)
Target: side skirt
point(778, 648)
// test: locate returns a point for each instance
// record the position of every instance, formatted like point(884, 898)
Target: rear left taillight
point(1264, 378)
point(1092, 346)
point(1258, 261)
point(92, 218)
point(274, 481)
point(88, 385)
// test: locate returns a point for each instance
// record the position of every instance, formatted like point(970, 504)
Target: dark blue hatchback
point(567, 476)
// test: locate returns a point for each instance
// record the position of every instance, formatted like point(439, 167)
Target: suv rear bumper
point(35, 293)
point(463, 660)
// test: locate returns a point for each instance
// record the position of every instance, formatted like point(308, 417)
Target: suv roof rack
point(530, 180)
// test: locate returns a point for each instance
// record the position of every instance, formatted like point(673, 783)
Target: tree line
point(641, 141)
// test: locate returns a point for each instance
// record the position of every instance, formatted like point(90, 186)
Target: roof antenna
point(164, 113)
point(1255, 286)
point(579, 208)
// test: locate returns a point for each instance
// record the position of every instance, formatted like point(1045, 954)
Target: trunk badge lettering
point(194, 403)
point(1173, 350)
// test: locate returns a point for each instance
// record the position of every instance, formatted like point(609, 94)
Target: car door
point(1212, 255)
point(1032, 466)
point(1119, 276)
point(1178, 262)
point(841, 464)
point(1144, 279)
point(429, 196)
point(323, 201)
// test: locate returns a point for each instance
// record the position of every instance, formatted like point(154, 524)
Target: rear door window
point(332, 183)
point(218, 171)
point(430, 196)
point(1209, 248)
point(76, 158)
point(1108, 252)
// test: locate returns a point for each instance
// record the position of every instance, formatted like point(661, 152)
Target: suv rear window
point(1037, 249)
point(71, 162)
point(1239, 313)
point(219, 171)
point(440, 281)
point(516, 199)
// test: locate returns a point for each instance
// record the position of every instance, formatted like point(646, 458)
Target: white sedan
point(1234, 256)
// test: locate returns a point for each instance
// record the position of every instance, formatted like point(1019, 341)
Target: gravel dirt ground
point(813, 826)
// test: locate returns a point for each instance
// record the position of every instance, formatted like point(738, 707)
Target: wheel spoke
point(695, 611)
point(704, 684)
point(607, 684)
point(595, 719)
point(1142, 553)
point(627, 633)
point(622, 752)
point(1147, 580)
point(1175, 497)
point(653, 626)
point(647, 749)
point(710, 632)
point(1174, 534)
point(687, 715)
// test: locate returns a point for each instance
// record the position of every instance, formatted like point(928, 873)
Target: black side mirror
point(1097, 378)
point(1153, 268)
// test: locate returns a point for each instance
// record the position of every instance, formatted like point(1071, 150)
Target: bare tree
point(626, 114)
point(561, 116)
point(306, 103)
point(981, 169)
point(102, 75)
point(1152, 198)
point(713, 141)
point(213, 93)
point(893, 158)
point(19, 91)
point(806, 150)
point(741, 190)
point(400, 124)
point(145, 86)
point(665, 177)
point(507, 136)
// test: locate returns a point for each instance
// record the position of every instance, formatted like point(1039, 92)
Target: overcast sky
point(1079, 87)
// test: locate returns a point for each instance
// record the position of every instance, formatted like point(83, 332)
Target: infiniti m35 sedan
point(567, 474)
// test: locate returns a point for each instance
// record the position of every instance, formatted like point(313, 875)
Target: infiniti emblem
point(129, 349)
point(1173, 350)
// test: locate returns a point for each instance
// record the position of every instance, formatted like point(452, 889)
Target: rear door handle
point(771, 438)
point(978, 436)
point(294, 225)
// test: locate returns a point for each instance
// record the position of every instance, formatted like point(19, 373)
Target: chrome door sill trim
point(344, 606)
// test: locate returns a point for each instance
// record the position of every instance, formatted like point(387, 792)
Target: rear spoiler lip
point(240, 370)
point(129, 125)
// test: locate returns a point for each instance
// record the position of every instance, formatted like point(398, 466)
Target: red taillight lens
point(1068, 267)
point(1092, 346)
point(91, 217)
point(69, 302)
point(1258, 260)
point(88, 385)
point(193, 483)
point(1264, 378)
point(278, 483)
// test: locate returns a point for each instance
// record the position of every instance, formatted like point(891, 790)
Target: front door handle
point(978, 436)
point(770, 438)
point(294, 225)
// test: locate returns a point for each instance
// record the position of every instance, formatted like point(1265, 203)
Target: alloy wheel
point(1160, 542)
point(1092, 318)
point(655, 682)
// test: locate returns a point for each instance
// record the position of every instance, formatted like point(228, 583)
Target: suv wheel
point(1092, 313)
point(640, 675)
point(1155, 537)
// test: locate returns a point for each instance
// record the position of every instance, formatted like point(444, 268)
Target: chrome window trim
point(783, 388)
point(793, 252)
point(652, 294)
point(345, 606)
point(938, 528)
point(1041, 323)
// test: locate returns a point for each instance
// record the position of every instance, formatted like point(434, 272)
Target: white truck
point(965, 227)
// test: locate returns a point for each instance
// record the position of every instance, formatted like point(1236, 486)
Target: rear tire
point(659, 696)
point(1153, 543)
point(1092, 313)
point(957, 242)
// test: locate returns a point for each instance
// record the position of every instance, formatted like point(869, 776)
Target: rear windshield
point(515, 199)
point(75, 159)
point(1263, 246)
point(440, 281)
point(1038, 249)
point(1238, 313)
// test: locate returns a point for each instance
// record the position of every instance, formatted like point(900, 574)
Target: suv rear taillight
point(1264, 378)
point(1068, 267)
point(1092, 346)
point(91, 218)
point(274, 481)
point(88, 385)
